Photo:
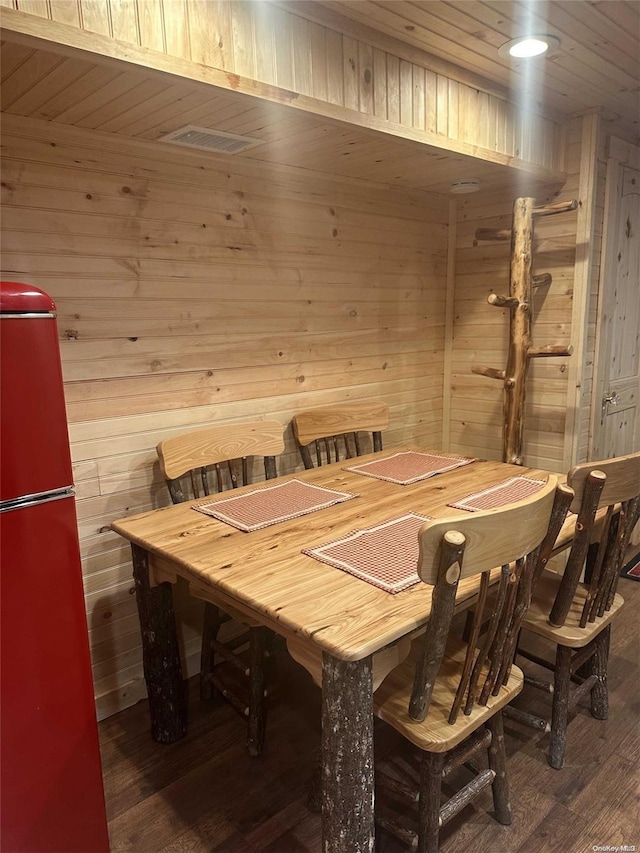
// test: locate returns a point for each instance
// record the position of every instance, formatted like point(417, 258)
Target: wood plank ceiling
point(115, 98)
point(596, 65)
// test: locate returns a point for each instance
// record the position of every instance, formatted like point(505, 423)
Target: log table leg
point(160, 653)
point(347, 756)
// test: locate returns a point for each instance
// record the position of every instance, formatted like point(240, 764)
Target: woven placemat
point(268, 505)
point(410, 466)
point(385, 555)
point(631, 569)
point(507, 492)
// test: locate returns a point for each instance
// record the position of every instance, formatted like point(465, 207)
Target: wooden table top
point(264, 574)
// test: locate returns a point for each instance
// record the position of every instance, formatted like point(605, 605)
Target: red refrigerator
point(51, 794)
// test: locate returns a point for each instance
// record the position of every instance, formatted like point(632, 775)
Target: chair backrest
point(216, 452)
point(613, 484)
point(334, 430)
point(511, 537)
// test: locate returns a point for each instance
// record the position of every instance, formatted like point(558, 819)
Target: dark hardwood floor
point(206, 794)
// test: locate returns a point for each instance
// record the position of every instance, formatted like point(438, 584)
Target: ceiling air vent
point(205, 139)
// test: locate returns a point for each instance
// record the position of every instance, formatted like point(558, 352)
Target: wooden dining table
point(338, 618)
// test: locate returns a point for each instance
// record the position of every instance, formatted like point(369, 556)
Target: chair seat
point(570, 634)
point(435, 733)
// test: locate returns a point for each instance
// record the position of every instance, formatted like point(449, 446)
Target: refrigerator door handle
point(16, 315)
point(39, 498)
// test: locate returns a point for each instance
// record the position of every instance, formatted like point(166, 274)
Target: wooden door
point(616, 417)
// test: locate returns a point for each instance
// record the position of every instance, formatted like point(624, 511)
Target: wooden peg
point(491, 372)
point(493, 234)
point(552, 209)
point(502, 301)
point(542, 280)
point(549, 351)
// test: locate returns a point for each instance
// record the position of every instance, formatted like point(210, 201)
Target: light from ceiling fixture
point(527, 47)
point(466, 185)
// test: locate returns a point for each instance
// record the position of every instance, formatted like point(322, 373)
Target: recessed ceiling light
point(466, 185)
point(529, 46)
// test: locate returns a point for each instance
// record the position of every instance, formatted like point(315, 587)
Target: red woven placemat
point(507, 492)
point(272, 504)
point(409, 466)
point(385, 555)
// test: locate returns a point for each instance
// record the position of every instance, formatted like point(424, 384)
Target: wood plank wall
point(193, 289)
point(593, 312)
point(480, 331)
point(263, 42)
point(588, 132)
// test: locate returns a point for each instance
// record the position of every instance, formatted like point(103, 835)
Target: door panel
point(620, 415)
point(617, 423)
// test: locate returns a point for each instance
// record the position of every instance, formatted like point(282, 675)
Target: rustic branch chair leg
point(210, 628)
point(498, 763)
point(599, 662)
point(560, 710)
point(429, 811)
point(257, 648)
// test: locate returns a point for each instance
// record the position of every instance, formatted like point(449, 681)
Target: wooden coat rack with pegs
point(519, 302)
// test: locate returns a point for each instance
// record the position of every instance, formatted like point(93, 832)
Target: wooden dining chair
point(446, 698)
point(335, 432)
point(573, 615)
point(196, 464)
